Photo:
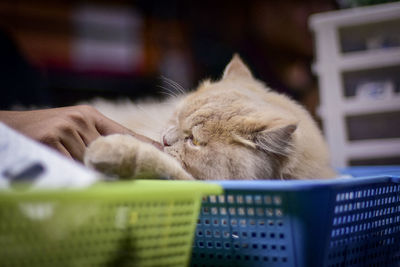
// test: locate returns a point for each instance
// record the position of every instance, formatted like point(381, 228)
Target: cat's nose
point(165, 142)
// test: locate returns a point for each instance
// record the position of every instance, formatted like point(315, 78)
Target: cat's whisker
point(169, 94)
point(168, 91)
point(177, 86)
point(174, 85)
point(173, 89)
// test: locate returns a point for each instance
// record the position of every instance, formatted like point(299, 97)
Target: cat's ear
point(278, 140)
point(236, 69)
point(276, 137)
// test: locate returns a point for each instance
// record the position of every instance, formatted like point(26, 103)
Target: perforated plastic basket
point(340, 222)
point(140, 223)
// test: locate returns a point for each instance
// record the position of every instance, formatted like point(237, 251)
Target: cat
point(234, 128)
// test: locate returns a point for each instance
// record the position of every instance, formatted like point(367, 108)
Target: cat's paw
point(112, 155)
point(125, 156)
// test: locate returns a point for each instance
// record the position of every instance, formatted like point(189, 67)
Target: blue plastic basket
point(340, 222)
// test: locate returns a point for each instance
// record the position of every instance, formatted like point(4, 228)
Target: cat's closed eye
point(191, 141)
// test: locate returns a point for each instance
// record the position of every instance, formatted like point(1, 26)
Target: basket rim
point(121, 190)
point(296, 185)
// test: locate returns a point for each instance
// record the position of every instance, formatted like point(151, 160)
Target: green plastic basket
point(137, 223)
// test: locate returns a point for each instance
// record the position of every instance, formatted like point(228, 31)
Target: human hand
point(68, 129)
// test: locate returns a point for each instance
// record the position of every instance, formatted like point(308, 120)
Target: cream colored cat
point(234, 128)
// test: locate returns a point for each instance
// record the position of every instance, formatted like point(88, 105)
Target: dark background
point(183, 40)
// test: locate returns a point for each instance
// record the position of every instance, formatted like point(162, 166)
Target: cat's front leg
point(126, 156)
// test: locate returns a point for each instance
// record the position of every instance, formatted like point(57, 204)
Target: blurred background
point(57, 53)
point(60, 52)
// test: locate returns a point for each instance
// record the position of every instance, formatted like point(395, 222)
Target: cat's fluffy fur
point(234, 128)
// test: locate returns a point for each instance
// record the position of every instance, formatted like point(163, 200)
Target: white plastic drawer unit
point(373, 126)
point(370, 36)
point(358, 68)
point(377, 83)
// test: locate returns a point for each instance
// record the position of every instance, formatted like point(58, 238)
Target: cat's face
point(226, 130)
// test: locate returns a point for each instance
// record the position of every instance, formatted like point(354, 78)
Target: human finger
point(60, 148)
point(106, 126)
point(88, 134)
point(74, 144)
